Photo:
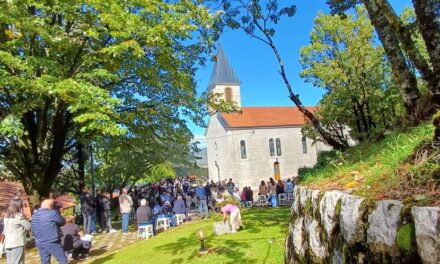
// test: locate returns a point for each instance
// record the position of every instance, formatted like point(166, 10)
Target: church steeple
point(223, 72)
point(224, 81)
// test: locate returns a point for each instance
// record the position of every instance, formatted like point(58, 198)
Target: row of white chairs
point(282, 198)
point(146, 231)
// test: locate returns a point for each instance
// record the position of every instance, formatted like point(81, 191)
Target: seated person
point(179, 206)
point(71, 239)
point(167, 212)
point(144, 215)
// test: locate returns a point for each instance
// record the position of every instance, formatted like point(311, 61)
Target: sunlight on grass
point(261, 241)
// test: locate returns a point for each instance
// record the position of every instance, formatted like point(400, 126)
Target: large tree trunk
point(405, 78)
point(427, 13)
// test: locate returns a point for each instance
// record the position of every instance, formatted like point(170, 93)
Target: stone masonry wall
point(335, 227)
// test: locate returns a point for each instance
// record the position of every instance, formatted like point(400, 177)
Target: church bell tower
point(224, 82)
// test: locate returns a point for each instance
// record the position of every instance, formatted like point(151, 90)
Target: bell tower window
point(228, 94)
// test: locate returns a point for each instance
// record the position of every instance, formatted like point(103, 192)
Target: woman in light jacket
point(15, 230)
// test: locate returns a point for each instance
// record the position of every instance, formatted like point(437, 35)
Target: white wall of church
point(218, 150)
point(259, 165)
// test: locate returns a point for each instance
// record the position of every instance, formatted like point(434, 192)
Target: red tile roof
point(8, 190)
point(7, 193)
point(266, 117)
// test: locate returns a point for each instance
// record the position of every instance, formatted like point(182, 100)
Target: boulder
point(328, 210)
point(316, 245)
point(383, 225)
point(298, 241)
point(427, 227)
point(296, 197)
point(350, 219)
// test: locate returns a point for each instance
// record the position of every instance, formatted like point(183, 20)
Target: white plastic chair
point(289, 196)
point(180, 218)
point(145, 231)
point(163, 222)
point(282, 198)
point(248, 204)
point(262, 200)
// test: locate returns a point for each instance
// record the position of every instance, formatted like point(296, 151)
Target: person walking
point(16, 227)
point(46, 224)
point(87, 208)
point(125, 204)
point(201, 197)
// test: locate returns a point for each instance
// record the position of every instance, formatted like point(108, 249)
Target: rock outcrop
point(336, 227)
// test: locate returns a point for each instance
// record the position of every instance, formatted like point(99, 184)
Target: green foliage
point(344, 60)
point(79, 71)
point(228, 200)
point(406, 237)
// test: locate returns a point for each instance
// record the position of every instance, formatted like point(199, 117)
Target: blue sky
point(256, 67)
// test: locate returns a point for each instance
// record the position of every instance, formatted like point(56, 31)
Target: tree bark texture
point(405, 78)
point(427, 14)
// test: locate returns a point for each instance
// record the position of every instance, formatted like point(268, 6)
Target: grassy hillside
point(404, 165)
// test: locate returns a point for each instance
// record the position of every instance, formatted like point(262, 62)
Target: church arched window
point(228, 94)
point(278, 143)
point(271, 147)
point(242, 149)
point(304, 144)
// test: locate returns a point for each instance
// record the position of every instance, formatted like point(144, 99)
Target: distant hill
point(202, 156)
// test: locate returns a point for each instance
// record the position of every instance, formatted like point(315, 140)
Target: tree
point(82, 70)
point(398, 39)
point(343, 60)
point(258, 21)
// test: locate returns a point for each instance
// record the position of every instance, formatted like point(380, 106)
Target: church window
point(242, 149)
point(228, 94)
point(304, 145)
point(271, 147)
point(278, 141)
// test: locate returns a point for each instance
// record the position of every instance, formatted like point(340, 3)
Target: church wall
point(218, 149)
point(258, 164)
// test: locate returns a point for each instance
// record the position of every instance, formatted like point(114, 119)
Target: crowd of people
point(61, 237)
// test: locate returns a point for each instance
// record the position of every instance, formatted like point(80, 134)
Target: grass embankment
point(261, 241)
point(404, 165)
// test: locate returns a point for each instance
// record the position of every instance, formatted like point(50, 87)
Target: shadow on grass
point(230, 248)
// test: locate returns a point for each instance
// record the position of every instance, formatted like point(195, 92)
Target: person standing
point(273, 192)
point(230, 187)
point(16, 227)
point(201, 197)
point(125, 204)
point(106, 221)
point(46, 224)
point(87, 208)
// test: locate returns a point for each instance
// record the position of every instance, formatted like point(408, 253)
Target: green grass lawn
point(261, 241)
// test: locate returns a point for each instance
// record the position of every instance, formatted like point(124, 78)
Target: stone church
point(254, 143)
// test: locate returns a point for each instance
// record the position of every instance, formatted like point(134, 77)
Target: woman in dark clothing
point(71, 239)
point(280, 187)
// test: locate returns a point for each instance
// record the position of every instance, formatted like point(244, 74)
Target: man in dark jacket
point(105, 216)
point(87, 209)
point(46, 224)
